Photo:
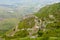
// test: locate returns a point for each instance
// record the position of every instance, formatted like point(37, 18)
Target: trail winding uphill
point(39, 24)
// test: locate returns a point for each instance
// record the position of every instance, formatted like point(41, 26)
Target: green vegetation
point(49, 13)
point(52, 29)
point(27, 23)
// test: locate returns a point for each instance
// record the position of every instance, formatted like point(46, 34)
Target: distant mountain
point(9, 6)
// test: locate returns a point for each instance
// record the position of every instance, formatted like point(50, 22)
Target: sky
point(33, 4)
point(28, 2)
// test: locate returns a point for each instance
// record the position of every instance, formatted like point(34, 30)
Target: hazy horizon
point(28, 2)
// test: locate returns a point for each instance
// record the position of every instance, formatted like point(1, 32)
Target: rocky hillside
point(44, 23)
point(51, 15)
point(49, 18)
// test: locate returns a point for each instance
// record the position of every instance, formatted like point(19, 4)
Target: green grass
point(39, 38)
point(52, 29)
point(26, 23)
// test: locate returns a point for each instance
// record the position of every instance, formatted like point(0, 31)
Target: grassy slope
point(25, 23)
point(54, 28)
point(43, 13)
point(49, 9)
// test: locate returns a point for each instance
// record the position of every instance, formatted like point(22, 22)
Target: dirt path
point(14, 30)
